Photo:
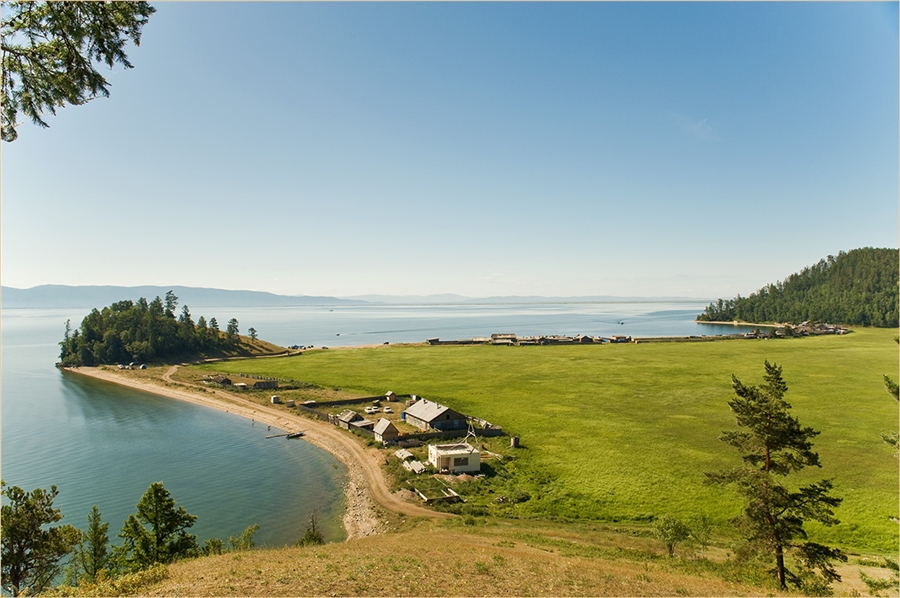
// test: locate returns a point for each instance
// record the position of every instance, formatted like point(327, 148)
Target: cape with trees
point(129, 331)
point(858, 287)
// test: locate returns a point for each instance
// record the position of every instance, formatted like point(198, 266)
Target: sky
point(560, 149)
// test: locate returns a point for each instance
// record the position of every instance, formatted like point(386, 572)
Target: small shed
point(390, 396)
point(362, 423)
point(347, 417)
point(263, 384)
point(241, 386)
point(455, 458)
point(385, 431)
point(275, 400)
point(222, 380)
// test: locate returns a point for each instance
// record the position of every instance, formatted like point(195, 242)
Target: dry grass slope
point(441, 561)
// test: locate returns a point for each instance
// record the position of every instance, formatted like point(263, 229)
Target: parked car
point(388, 409)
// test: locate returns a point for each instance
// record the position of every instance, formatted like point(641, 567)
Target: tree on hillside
point(31, 551)
point(157, 533)
point(672, 531)
point(232, 331)
point(252, 333)
point(50, 50)
point(773, 446)
point(91, 555)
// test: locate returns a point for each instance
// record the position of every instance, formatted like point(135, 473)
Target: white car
point(388, 410)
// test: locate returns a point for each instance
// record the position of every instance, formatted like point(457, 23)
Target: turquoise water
point(103, 444)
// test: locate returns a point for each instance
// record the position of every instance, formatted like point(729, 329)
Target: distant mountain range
point(100, 296)
point(53, 295)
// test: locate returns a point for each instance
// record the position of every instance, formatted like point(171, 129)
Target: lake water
point(103, 444)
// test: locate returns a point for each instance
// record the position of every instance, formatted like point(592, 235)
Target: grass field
point(625, 432)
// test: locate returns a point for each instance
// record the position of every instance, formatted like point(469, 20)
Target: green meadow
point(622, 433)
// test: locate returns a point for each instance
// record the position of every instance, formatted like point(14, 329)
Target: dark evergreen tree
point(772, 445)
point(50, 50)
point(91, 556)
point(31, 548)
point(157, 533)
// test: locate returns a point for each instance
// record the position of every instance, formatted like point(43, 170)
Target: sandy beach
point(366, 489)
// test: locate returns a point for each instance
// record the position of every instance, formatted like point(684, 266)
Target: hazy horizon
point(482, 149)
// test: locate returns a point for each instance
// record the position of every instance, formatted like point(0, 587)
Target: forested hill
point(859, 287)
point(142, 331)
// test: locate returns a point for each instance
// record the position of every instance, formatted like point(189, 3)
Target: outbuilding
point(455, 458)
point(385, 431)
point(347, 417)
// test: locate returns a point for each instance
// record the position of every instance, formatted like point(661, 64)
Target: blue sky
point(690, 149)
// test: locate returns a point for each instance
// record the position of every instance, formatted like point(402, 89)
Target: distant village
point(779, 331)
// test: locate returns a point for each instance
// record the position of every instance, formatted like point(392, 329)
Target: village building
point(427, 415)
point(503, 339)
point(347, 417)
point(385, 431)
point(266, 384)
point(455, 458)
point(363, 424)
point(222, 380)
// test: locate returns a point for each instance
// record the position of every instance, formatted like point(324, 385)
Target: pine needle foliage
point(50, 50)
point(772, 444)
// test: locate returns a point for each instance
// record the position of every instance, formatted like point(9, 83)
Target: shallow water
point(103, 444)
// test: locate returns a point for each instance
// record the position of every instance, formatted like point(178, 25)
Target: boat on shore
point(295, 435)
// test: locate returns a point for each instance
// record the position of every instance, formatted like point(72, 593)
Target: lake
point(104, 444)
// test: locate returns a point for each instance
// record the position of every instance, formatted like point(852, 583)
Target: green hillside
point(859, 288)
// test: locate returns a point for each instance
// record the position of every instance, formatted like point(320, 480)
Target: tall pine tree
point(772, 445)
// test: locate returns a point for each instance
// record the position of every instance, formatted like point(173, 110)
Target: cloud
point(701, 129)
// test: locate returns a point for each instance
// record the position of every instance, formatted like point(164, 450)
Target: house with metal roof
point(385, 431)
point(427, 415)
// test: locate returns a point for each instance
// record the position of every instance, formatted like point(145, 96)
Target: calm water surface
point(102, 444)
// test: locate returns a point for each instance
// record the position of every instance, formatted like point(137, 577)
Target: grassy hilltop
point(623, 433)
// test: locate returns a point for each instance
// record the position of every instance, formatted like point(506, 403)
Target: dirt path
point(366, 485)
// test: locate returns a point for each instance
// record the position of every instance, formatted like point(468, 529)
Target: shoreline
point(365, 486)
point(734, 323)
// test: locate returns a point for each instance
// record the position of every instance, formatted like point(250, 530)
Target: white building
point(455, 458)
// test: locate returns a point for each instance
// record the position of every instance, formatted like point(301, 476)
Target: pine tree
point(50, 49)
point(166, 540)
point(774, 446)
point(31, 551)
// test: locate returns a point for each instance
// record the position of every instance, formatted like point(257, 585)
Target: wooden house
point(427, 415)
point(347, 417)
point(385, 431)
